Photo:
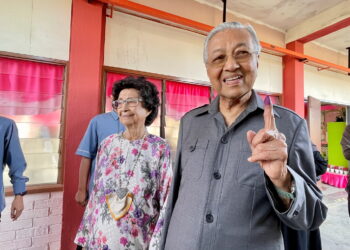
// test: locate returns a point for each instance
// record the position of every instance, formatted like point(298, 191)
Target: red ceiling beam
point(188, 23)
point(325, 31)
point(303, 57)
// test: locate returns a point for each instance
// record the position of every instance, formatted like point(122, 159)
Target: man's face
point(232, 63)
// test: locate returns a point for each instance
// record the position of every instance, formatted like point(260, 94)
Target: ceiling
point(299, 19)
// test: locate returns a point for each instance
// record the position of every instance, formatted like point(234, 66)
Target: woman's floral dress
point(147, 176)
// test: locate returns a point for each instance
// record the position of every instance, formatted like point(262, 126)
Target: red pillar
point(293, 80)
point(83, 101)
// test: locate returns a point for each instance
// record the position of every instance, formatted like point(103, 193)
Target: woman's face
point(131, 113)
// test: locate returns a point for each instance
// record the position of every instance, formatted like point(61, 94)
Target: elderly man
point(242, 167)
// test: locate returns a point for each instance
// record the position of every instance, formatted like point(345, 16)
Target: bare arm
point(84, 171)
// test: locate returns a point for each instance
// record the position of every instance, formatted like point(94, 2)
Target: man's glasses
point(131, 102)
point(240, 56)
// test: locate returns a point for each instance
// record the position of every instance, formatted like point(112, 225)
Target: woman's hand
point(81, 197)
point(17, 207)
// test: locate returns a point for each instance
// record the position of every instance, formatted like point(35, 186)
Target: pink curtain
point(30, 88)
point(181, 98)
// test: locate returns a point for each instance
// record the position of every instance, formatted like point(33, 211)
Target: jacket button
point(192, 148)
point(217, 175)
point(209, 218)
point(224, 140)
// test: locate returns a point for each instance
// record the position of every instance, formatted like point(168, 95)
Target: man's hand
point(17, 207)
point(269, 148)
point(81, 197)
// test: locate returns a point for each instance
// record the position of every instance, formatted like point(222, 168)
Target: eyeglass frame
point(118, 103)
point(243, 59)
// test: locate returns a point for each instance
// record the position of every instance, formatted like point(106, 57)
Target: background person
point(345, 143)
point(11, 155)
point(132, 176)
point(99, 128)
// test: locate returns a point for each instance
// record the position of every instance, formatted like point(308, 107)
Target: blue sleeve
point(14, 158)
point(89, 144)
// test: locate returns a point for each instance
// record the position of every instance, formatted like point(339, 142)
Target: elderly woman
point(132, 176)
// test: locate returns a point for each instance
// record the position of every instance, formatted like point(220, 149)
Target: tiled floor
point(335, 231)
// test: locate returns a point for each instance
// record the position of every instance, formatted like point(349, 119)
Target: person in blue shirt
point(99, 128)
point(11, 155)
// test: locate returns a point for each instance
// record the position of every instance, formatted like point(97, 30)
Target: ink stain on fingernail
point(267, 100)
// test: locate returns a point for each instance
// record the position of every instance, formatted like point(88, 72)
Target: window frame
point(44, 188)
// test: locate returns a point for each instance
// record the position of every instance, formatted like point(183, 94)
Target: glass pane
point(181, 98)
point(31, 95)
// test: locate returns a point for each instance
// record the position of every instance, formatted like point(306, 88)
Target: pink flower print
point(147, 195)
point(130, 173)
point(96, 211)
point(108, 170)
point(102, 199)
point(134, 232)
point(104, 239)
point(82, 240)
point(123, 241)
point(145, 146)
point(136, 189)
point(152, 227)
point(134, 151)
point(119, 223)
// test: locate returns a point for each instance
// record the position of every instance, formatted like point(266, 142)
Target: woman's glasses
point(131, 102)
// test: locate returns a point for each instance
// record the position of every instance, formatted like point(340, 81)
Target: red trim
point(82, 101)
point(158, 14)
point(298, 55)
point(325, 31)
point(293, 80)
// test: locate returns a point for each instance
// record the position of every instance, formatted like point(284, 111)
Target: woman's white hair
point(231, 25)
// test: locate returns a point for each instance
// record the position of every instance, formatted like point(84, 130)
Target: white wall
point(36, 27)
point(139, 44)
point(38, 227)
point(326, 85)
point(270, 74)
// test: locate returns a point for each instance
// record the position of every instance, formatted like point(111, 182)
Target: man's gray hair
point(231, 25)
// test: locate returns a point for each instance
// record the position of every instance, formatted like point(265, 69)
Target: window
point(31, 94)
point(179, 98)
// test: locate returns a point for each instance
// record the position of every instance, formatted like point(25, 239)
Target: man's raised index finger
point(269, 118)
